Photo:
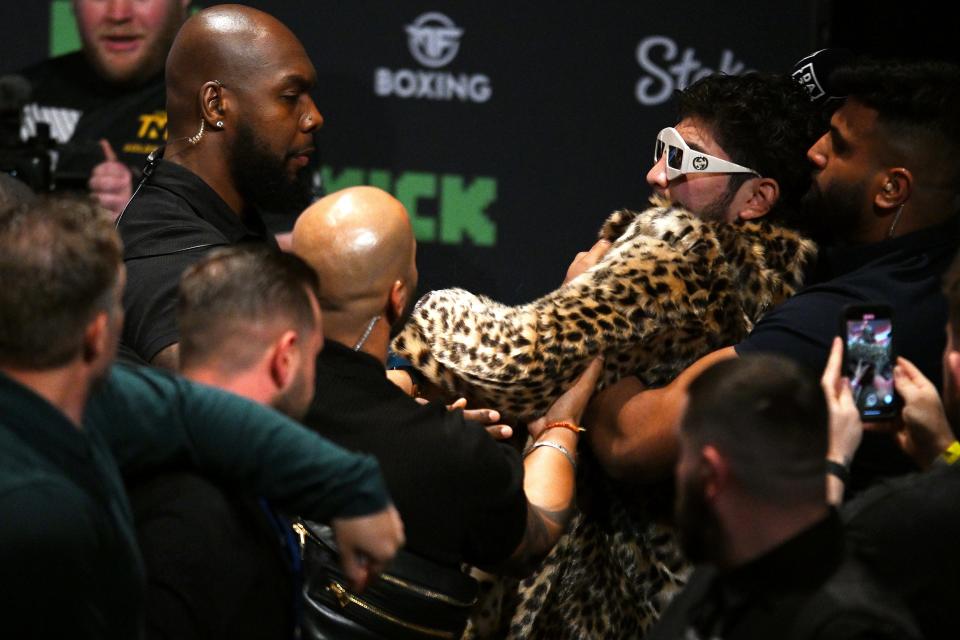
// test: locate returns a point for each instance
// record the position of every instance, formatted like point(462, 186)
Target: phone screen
point(868, 362)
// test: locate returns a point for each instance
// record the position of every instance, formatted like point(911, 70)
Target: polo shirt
point(81, 108)
point(173, 219)
point(905, 273)
point(808, 587)
point(70, 563)
point(459, 492)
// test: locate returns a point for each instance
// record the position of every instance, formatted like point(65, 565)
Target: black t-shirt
point(81, 108)
point(459, 492)
point(809, 587)
point(173, 219)
point(905, 273)
point(906, 531)
point(215, 565)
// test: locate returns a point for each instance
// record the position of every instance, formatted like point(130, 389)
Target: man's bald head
point(232, 44)
point(360, 242)
point(239, 110)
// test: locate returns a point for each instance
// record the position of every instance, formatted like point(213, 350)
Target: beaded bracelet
point(564, 425)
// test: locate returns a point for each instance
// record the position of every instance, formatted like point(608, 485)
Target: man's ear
point(284, 359)
point(896, 186)
point(953, 364)
point(764, 193)
point(715, 472)
point(96, 337)
point(212, 103)
point(397, 302)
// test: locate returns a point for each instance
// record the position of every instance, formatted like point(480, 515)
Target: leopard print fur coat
point(670, 289)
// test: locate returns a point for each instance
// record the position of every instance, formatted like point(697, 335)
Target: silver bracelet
point(553, 445)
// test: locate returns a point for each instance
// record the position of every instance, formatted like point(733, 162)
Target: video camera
point(29, 161)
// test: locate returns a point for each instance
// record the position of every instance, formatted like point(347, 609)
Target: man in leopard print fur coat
point(673, 286)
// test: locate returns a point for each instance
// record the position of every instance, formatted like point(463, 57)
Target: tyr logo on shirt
point(153, 129)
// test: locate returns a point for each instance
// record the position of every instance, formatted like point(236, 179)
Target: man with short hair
point(884, 183)
point(71, 424)
point(241, 124)
point(105, 103)
point(249, 324)
point(752, 511)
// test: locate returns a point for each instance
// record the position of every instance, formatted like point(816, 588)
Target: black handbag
point(414, 598)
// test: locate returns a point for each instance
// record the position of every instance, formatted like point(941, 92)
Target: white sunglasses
point(681, 159)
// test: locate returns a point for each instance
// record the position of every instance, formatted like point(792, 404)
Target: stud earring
point(220, 124)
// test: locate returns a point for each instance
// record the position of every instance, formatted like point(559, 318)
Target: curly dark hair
point(764, 121)
point(916, 102)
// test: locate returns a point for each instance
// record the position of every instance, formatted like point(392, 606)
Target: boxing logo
point(434, 39)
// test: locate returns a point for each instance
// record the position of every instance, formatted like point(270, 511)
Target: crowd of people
point(200, 436)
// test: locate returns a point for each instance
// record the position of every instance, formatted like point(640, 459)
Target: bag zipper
point(344, 597)
point(303, 532)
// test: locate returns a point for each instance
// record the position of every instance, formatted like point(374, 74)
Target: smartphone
point(868, 359)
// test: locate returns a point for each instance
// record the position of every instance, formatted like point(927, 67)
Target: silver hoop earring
point(220, 124)
point(194, 139)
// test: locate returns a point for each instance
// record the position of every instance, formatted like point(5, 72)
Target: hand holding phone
point(869, 358)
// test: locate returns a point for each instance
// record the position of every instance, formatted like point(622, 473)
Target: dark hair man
point(762, 122)
point(70, 424)
point(485, 506)
point(241, 124)
point(885, 180)
point(106, 102)
point(250, 324)
point(752, 512)
point(757, 126)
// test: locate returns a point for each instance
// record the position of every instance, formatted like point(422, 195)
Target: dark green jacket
point(69, 565)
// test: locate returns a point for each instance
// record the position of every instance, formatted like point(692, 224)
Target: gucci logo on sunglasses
point(681, 159)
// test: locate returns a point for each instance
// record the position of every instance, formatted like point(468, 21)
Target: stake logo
point(434, 42)
point(434, 39)
point(667, 69)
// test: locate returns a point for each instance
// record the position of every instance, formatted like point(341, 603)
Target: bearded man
point(241, 124)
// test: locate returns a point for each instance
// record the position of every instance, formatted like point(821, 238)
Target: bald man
point(464, 497)
point(240, 134)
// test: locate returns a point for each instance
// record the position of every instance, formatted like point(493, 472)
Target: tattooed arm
point(549, 475)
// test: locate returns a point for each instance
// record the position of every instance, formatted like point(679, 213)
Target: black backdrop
point(518, 127)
